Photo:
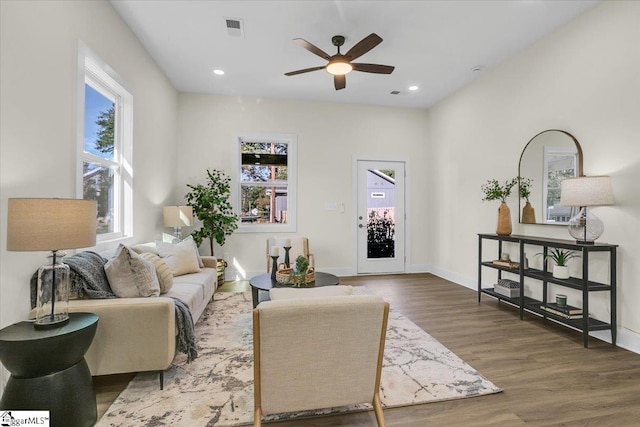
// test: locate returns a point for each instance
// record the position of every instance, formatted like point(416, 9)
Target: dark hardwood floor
point(548, 377)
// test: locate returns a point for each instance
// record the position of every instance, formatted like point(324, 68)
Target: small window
point(105, 147)
point(266, 184)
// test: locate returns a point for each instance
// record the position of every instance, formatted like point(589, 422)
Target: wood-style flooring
point(548, 377)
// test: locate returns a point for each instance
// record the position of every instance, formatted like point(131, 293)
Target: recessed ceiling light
point(218, 72)
point(476, 68)
point(413, 88)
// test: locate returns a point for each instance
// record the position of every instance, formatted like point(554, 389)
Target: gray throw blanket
point(88, 280)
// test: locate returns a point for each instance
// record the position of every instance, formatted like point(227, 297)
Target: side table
point(48, 370)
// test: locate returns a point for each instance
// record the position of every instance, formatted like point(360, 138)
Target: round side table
point(48, 370)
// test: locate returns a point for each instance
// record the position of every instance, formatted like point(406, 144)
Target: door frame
point(407, 204)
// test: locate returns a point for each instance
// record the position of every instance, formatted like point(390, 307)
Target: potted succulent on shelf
point(493, 190)
point(560, 257)
point(528, 212)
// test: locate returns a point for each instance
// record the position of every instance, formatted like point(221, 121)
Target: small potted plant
point(560, 257)
point(298, 275)
point(528, 212)
point(493, 190)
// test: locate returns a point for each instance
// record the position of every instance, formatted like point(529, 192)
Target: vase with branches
point(493, 190)
point(528, 212)
point(211, 205)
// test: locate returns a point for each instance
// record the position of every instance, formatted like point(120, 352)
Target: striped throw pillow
point(165, 276)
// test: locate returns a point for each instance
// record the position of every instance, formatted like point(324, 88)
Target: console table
point(583, 284)
point(48, 370)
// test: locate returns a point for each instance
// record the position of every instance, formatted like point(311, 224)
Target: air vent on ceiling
point(235, 27)
point(395, 92)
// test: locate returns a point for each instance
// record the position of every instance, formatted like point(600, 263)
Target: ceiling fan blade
point(364, 46)
point(374, 68)
point(306, 70)
point(313, 49)
point(340, 81)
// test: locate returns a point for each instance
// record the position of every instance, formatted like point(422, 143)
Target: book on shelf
point(566, 309)
point(508, 264)
point(507, 292)
point(561, 314)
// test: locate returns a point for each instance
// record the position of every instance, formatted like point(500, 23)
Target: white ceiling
point(433, 44)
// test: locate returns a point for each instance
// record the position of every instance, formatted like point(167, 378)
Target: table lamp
point(583, 192)
point(178, 217)
point(51, 224)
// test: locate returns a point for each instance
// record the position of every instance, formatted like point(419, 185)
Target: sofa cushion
point(130, 275)
point(181, 257)
point(165, 276)
point(297, 293)
point(195, 248)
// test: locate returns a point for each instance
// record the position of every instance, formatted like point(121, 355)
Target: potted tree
point(211, 205)
point(493, 190)
point(561, 257)
point(528, 212)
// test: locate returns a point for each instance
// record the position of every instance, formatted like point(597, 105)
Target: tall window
point(104, 161)
point(266, 191)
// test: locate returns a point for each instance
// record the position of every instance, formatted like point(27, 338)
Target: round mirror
point(547, 159)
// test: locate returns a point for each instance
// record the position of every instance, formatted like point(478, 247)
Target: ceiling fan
point(339, 65)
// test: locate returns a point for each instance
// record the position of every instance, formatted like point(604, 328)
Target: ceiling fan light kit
point(339, 65)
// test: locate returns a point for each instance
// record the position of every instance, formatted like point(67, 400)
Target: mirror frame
point(579, 167)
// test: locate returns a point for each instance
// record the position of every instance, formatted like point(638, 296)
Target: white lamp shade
point(50, 224)
point(178, 216)
point(586, 191)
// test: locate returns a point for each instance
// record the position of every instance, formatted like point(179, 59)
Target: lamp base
point(585, 242)
point(585, 227)
point(47, 322)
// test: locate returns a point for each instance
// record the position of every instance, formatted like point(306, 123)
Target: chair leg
point(257, 417)
point(377, 406)
point(161, 379)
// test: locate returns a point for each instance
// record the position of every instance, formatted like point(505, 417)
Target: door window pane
point(380, 214)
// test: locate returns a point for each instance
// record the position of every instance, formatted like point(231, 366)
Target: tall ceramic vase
point(504, 220)
point(528, 214)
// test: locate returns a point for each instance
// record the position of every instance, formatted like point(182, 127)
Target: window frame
point(292, 181)
point(102, 78)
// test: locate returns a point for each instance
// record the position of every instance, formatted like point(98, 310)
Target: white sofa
point(139, 334)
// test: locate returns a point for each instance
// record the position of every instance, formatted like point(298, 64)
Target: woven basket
point(284, 276)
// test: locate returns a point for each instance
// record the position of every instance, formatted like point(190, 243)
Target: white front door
point(380, 216)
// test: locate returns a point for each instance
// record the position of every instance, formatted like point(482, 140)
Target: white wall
point(584, 79)
point(38, 119)
point(329, 135)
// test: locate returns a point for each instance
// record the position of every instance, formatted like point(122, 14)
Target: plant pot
point(528, 214)
point(561, 271)
point(504, 220)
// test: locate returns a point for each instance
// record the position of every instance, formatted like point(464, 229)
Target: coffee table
point(264, 282)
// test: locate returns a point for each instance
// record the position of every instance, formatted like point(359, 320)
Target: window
point(265, 196)
point(559, 163)
point(105, 146)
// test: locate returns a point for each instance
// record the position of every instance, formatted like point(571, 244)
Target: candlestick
point(274, 267)
point(286, 256)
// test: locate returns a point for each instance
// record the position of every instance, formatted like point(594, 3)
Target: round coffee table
point(264, 282)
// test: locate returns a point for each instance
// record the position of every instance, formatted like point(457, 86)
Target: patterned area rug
point(217, 387)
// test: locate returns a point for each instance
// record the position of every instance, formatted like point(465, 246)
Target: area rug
point(216, 389)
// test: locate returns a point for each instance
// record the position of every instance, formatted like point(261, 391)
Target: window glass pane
point(264, 161)
point(99, 115)
point(98, 185)
point(263, 205)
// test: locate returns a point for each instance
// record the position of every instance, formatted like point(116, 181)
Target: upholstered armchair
point(299, 246)
point(313, 353)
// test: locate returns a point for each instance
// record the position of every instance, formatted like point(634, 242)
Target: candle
point(275, 251)
point(286, 243)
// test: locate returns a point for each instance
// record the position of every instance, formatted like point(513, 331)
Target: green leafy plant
point(299, 272)
point(211, 205)
point(525, 188)
point(559, 256)
point(493, 190)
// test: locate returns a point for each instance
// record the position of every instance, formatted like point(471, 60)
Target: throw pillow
point(195, 247)
point(323, 291)
point(145, 247)
point(130, 275)
point(180, 257)
point(165, 276)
